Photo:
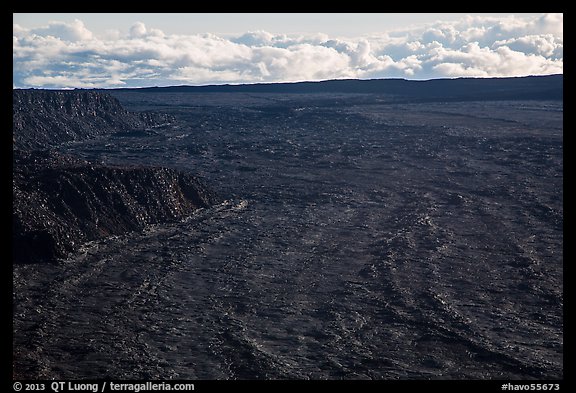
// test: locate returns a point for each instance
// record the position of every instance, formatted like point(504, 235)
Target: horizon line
point(231, 84)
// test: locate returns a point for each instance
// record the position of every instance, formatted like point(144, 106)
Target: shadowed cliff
point(60, 202)
point(45, 118)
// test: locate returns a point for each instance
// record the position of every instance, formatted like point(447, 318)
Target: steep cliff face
point(44, 118)
point(61, 202)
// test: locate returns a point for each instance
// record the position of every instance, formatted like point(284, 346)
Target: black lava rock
point(45, 118)
point(61, 202)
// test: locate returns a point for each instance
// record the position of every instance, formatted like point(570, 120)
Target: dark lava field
point(358, 237)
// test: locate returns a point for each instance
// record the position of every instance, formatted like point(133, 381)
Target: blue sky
point(334, 24)
point(134, 50)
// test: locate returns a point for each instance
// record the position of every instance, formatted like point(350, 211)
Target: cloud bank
point(68, 55)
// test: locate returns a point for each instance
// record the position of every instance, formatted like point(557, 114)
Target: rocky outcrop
point(45, 118)
point(61, 202)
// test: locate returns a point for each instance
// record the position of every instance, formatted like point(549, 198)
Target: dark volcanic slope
point(371, 239)
point(461, 89)
point(61, 202)
point(43, 118)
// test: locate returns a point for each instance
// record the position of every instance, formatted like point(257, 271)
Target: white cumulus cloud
point(74, 31)
point(69, 55)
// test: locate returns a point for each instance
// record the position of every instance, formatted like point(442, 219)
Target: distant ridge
point(548, 87)
point(46, 118)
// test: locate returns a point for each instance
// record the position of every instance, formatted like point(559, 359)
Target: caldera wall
point(60, 202)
